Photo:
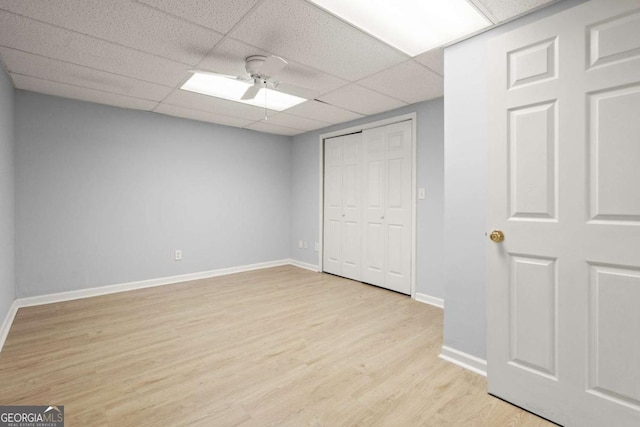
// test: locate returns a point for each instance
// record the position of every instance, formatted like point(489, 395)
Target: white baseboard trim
point(428, 299)
point(123, 287)
point(465, 360)
point(130, 286)
point(8, 321)
point(304, 265)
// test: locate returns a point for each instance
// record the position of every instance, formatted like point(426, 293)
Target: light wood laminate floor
point(280, 346)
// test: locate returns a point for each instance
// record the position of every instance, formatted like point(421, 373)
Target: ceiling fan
point(261, 74)
point(262, 70)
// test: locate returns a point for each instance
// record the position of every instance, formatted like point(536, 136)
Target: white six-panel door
point(387, 205)
point(374, 236)
point(333, 172)
point(343, 210)
point(564, 185)
point(352, 206)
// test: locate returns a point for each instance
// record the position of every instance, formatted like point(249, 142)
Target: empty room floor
point(280, 346)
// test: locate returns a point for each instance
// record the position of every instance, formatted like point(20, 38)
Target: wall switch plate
point(306, 245)
point(421, 193)
point(300, 244)
point(316, 247)
point(178, 256)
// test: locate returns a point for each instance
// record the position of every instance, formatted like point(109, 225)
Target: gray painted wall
point(465, 164)
point(105, 195)
point(7, 251)
point(430, 174)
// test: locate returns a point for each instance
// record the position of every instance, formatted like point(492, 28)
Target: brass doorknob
point(496, 236)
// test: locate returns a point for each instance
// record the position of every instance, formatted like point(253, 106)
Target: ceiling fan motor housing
point(262, 70)
point(253, 65)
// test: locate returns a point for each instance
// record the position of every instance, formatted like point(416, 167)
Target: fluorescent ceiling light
point(412, 26)
point(232, 89)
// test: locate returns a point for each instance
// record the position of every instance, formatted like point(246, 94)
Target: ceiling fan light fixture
point(411, 26)
point(231, 89)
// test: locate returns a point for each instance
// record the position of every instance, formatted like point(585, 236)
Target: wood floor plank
point(274, 347)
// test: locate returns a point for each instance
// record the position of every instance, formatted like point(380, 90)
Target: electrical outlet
point(316, 247)
point(421, 194)
point(178, 256)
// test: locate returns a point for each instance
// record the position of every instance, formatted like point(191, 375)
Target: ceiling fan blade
point(272, 66)
point(251, 92)
point(291, 89)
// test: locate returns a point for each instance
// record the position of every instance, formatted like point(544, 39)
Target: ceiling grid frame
point(101, 68)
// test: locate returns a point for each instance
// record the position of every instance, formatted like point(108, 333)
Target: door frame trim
point(414, 163)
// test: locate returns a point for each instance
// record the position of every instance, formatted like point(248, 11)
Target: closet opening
point(368, 203)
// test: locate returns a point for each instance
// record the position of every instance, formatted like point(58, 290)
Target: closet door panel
point(352, 206)
point(333, 247)
point(374, 177)
point(333, 178)
point(398, 207)
point(351, 250)
point(374, 262)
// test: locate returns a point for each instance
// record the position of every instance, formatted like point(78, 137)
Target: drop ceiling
point(137, 53)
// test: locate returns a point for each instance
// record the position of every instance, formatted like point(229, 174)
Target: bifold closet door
point(342, 205)
point(387, 164)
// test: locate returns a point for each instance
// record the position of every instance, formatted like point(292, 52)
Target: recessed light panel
point(232, 90)
point(412, 26)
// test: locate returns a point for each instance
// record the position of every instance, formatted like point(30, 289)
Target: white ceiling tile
point(323, 112)
point(183, 98)
point(296, 122)
point(410, 82)
point(68, 91)
point(361, 100)
point(126, 23)
point(229, 58)
point(46, 40)
point(203, 116)
point(301, 32)
point(19, 62)
point(434, 59)
point(269, 128)
point(506, 9)
point(219, 15)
